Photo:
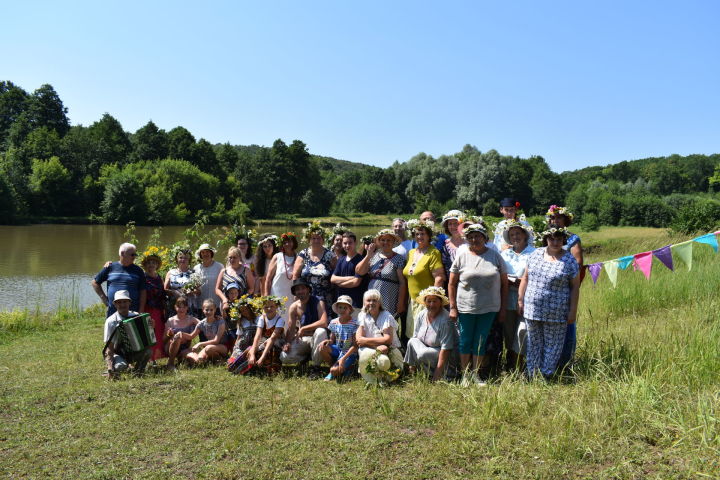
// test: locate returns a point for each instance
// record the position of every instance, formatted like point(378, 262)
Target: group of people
point(446, 301)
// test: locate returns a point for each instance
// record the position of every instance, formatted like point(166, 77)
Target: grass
point(645, 403)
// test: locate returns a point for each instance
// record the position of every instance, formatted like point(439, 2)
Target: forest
point(50, 169)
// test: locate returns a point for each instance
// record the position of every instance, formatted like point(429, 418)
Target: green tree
point(51, 187)
point(203, 156)
point(124, 199)
point(12, 104)
point(180, 143)
point(149, 143)
point(45, 109)
point(227, 158)
point(111, 144)
point(365, 198)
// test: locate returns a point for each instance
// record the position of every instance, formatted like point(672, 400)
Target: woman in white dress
point(278, 278)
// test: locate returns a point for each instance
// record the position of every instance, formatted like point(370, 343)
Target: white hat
point(204, 246)
point(346, 300)
point(122, 295)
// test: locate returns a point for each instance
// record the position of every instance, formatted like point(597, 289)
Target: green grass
point(645, 403)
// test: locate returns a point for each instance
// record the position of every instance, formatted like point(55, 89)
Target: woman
point(155, 301)
point(209, 271)
point(478, 291)
point(562, 217)
point(508, 209)
point(266, 250)
point(176, 278)
point(237, 272)
point(377, 336)
point(316, 263)
point(423, 269)
point(244, 243)
point(431, 346)
point(279, 277)
point(336, 239)
point(518, 236)
point(384, 266)
point(548, 299)
point(450, 224)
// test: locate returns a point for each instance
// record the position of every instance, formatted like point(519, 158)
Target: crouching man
point(116, 359)
point(307, 327)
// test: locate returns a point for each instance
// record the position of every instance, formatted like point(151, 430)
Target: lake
point(45, 266)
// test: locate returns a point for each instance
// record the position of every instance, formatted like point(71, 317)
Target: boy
point(116, 359)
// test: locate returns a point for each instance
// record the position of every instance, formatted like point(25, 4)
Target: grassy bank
point(645, 402)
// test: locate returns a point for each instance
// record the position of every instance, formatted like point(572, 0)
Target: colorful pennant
point(595, 270)
point(611, 267)
point(665, 256)
point(708, 238)
point(643, 262)
point(625, 262)
point(684, 251)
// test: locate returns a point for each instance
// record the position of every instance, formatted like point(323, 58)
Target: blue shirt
point(130, 278)
point(345, 268)
point(438, 243)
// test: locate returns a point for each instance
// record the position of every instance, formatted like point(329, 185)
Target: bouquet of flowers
point(381, 367)
point(196, 281)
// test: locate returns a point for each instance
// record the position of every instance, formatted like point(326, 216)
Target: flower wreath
point(555, 210)
point(314, 228)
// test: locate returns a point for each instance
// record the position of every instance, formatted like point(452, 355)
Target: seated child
point(340, 350)
point(213, 328)
point(268, 337)
point(230, 313)
point(116, 358)
point(244, 315)
point(177, 329)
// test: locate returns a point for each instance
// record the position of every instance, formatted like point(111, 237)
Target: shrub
point(700, 216)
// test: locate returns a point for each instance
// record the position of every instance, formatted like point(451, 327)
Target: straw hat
point(204, 246)
point(388, 232)
point(347, 301)
point(515, 224)
point(434, 291)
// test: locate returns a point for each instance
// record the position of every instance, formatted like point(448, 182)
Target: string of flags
point(643, 261)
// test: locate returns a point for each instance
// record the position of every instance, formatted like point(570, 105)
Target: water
point(44, 266)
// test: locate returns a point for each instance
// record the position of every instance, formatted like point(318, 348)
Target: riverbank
point(644, 403)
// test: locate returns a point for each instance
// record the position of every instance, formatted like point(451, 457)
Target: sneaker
point(329, 377)
point(479, 381)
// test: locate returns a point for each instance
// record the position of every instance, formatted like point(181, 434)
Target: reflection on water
point(44, 266)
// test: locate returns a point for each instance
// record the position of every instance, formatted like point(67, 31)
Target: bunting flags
point(643, 261)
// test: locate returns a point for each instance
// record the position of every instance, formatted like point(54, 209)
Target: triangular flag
point(624, 262)
point(684, 251)
point(595, 269)
point(611, 268)
point(708, 238)
point(665, 256)
point(643, 262)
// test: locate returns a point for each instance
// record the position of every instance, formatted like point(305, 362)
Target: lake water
point(45, 266)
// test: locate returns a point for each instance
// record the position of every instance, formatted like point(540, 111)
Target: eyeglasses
point(134, 254)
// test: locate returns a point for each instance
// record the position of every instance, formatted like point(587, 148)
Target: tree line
point(50, 168)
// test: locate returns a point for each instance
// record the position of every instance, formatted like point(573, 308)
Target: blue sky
point(579, 83)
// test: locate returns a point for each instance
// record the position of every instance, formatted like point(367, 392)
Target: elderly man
point(122, 275)
point(399, 228)
point(439, 240)
point(306, 326)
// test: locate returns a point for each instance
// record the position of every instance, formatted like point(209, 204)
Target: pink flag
point(595, 269)
point(665, 256)
point(643, 262)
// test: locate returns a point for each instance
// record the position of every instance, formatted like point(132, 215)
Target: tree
point(12, 104)
point(480, 177)
point(45, 109)
point(42, 143)
point(149, 143)
point(365, 198)
point(111, 144)
point(51, 187)
point(124, 199)
point(227, 158)
point(203, 156)
point(180, 143)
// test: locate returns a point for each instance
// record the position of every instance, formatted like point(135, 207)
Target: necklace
point(288, 270)
point(416, 259)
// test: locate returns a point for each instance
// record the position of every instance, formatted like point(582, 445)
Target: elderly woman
point(209, 271)
point(155, 302)
point(518, 236)
point(431, 346)
point(383, 265)
point(316, 263)
point(548, 299)
point(478, 291)
point(266, 250)
point(176, 278)
point(450, 224)
point(562, 217)
point(378, 341)
point(234, 272)
point(122, 275)
point(279, 277)
point(423, 269)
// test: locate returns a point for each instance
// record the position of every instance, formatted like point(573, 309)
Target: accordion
point(137, 333)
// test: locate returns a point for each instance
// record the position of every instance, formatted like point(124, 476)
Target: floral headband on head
point(279, 301)
point(271, 238)
point(287, 236)
point(416, 222)
point(158, 253)
point(313, 228)
point(553, 231)
point(555, 210)
point(339, 229)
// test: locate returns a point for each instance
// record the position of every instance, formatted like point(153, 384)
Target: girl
point(213, 329)
point(268, 337)
point(340, 350)
point(177, 329)
point(245, 318)
point(266, 250)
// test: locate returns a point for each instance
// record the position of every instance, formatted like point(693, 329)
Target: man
point(306, 327)
point(116, 359)
point(344, 276)
point(398, 226)
point(122, 275)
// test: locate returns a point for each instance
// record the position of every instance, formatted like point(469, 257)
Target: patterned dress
point(384, 276)
point(318, 274)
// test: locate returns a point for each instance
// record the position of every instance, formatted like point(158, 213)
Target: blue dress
point(547, 297)
point(318, 274)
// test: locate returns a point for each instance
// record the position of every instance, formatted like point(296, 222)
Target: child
point(269, 334)
point(242, 311)
point(340, 350)
point(177, 332)
point(230, 313)
point(213, 328)
point(116, 359)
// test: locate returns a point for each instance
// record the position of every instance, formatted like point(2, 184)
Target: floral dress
point(384, 275)
point(318, 274)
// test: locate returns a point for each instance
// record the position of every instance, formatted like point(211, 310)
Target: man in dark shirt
point(344, 276)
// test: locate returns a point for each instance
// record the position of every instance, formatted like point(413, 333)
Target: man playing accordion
point(119, 352)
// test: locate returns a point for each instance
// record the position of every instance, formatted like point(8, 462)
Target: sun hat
point(231, 285)
point(346, 300)
point(515, 224)
point(434, 291)
point(388, 232)
point(452, 215)
point(204, 246)
point(475, 228)
point(122, 295)
point(297, 283)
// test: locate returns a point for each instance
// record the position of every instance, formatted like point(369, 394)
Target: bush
point(590, 222)
point(700, 216)
point(124, 199)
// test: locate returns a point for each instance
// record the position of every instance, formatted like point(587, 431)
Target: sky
point(578, 83)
